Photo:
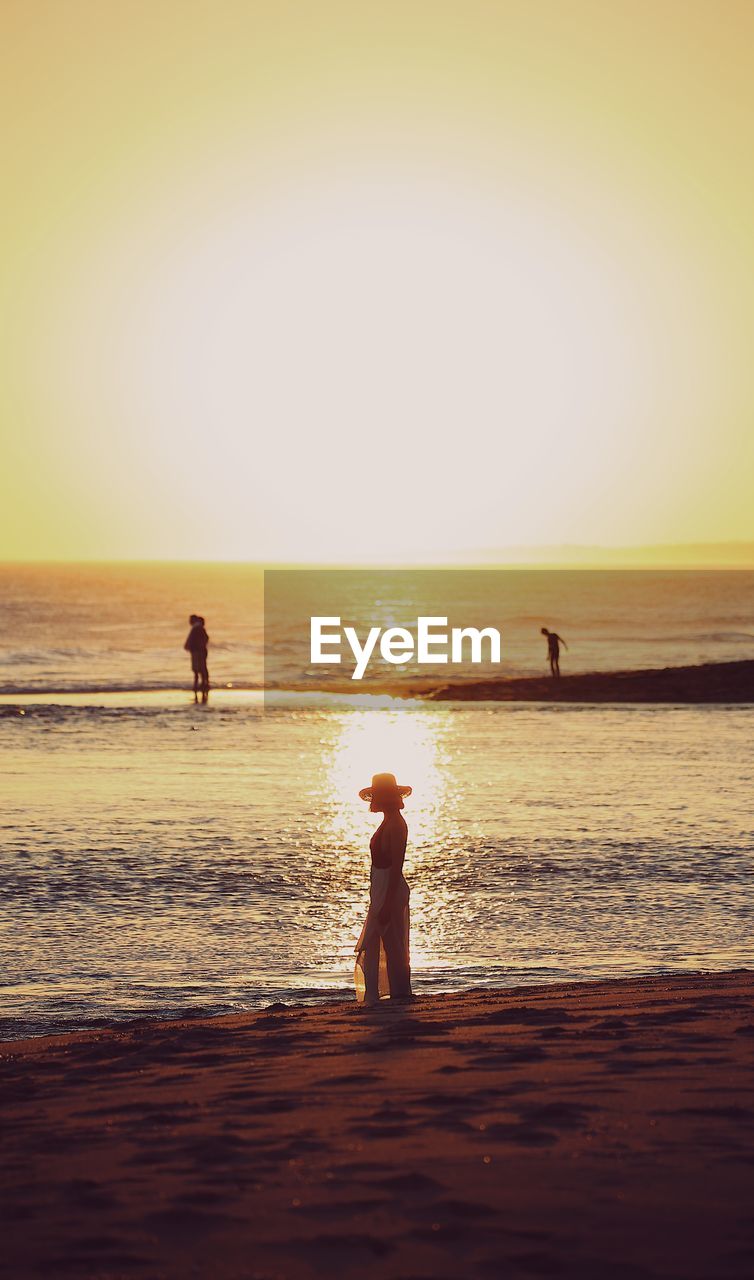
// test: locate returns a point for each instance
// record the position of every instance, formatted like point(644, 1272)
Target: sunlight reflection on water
point(164, 860)
point(413, 747)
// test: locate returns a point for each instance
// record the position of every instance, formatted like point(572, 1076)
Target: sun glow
point(385, 309)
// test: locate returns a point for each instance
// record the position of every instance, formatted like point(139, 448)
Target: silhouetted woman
point(196, 644)
point(383, 965)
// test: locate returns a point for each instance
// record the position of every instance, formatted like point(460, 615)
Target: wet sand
point(721, 682)
point(590, 1130)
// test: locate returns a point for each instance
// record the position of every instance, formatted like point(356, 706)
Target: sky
point(399, 281)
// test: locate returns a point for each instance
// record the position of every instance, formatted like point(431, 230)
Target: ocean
point(120, 627)
point(160, 858)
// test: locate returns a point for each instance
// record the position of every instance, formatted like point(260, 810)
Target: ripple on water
point(153, 866)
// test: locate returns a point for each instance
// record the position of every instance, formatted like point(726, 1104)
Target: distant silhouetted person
point(554, 641)
point(196, 644)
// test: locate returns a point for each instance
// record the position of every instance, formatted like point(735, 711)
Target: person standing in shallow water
point(197, 643)
point(554, 641)
point(383, 962)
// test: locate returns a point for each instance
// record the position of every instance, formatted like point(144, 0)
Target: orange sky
point(329, 281)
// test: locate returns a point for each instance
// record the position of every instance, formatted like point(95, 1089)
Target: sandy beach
point(586, 1130)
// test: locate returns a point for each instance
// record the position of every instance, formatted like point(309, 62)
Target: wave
point(65, 688)
point(41, 657)
point(722, 637)
point(687, 639)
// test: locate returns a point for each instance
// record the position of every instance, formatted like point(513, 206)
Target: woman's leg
point(396, 943)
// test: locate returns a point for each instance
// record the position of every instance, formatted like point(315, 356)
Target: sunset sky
point(317, 280)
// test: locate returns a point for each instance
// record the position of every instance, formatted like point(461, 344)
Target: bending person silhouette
point(196, 644)
point(554, 641)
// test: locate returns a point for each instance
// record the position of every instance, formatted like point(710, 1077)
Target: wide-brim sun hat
point(384, 784)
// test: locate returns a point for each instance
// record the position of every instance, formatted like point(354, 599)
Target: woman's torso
point(380, 845)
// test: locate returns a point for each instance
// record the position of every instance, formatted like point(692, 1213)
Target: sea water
point(159, 858)
point(90, 627)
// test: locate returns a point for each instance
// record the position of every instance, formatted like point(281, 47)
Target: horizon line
point(708, 555)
